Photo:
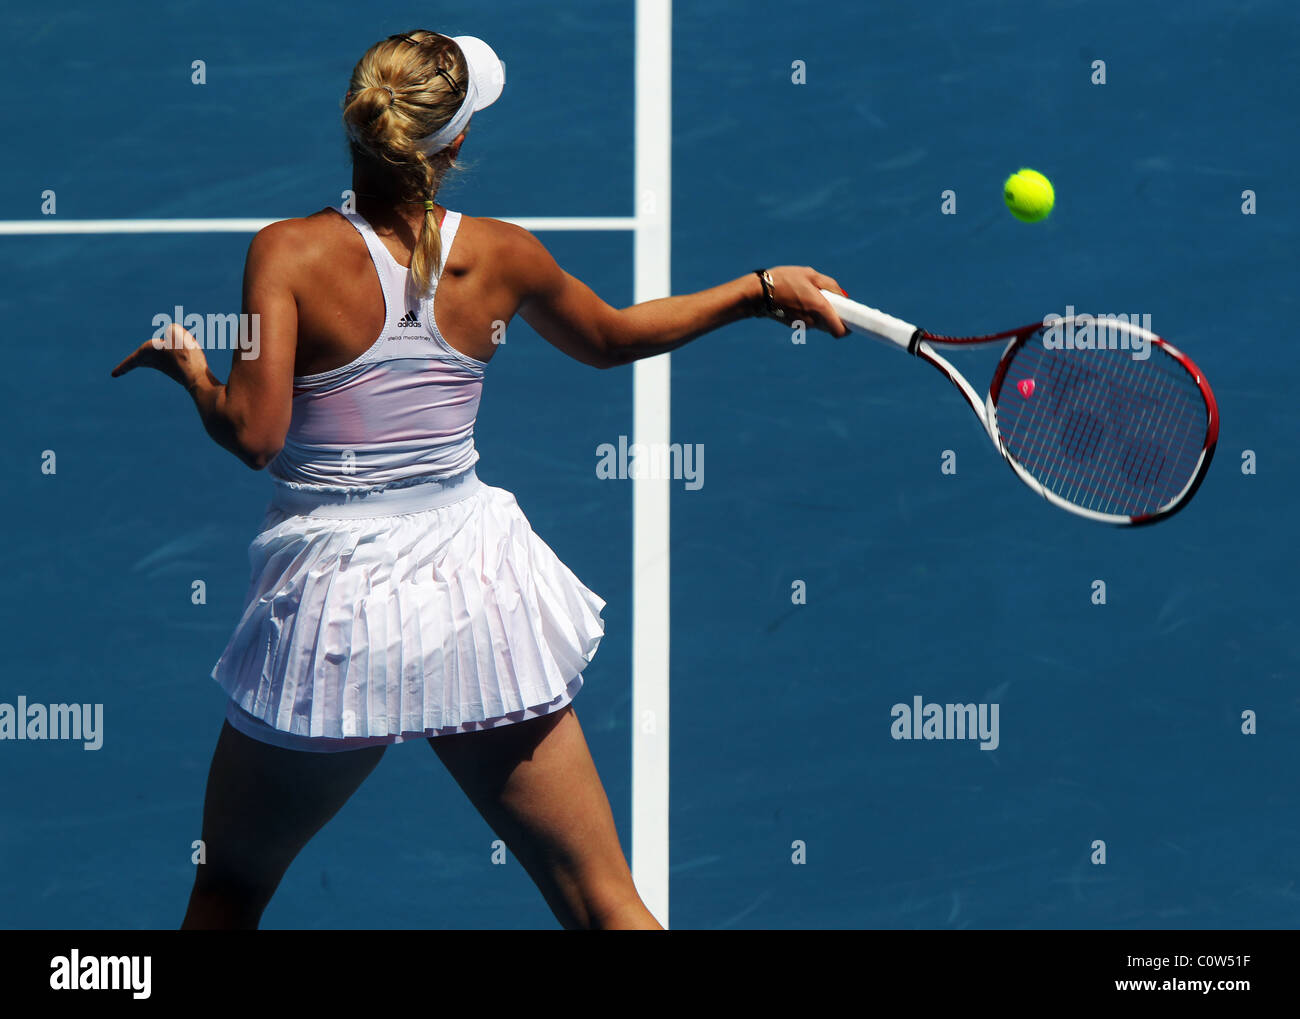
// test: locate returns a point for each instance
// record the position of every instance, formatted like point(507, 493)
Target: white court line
point(18, 227)
point(652, 394)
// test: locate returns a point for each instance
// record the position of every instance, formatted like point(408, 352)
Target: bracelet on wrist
point(770, 307)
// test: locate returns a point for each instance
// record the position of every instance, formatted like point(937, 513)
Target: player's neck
point(385, 207)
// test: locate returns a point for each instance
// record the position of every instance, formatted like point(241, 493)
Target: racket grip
point(861, 318)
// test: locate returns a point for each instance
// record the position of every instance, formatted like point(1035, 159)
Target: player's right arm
point(571, 316)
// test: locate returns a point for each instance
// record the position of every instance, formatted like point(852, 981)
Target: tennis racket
point(1092, 426)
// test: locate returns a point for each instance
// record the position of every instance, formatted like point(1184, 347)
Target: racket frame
point(919, 343)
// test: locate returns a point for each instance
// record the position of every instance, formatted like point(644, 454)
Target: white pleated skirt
point(422, 611)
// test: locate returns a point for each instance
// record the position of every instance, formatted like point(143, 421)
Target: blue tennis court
point(824, 569)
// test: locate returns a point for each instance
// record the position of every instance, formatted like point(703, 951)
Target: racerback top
point(399, 414)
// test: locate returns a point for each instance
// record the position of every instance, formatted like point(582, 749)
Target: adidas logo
point(409, 321)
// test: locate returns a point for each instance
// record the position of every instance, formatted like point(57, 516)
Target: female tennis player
point(394, 595)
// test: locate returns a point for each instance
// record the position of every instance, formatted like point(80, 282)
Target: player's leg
point(263, 804)
point(536, 785)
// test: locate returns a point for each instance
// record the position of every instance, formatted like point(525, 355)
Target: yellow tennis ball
point(1029, 195)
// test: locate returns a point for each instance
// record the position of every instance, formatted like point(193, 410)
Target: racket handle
point(863, 319)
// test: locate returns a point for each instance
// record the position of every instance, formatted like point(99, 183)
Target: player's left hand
point(177, 354)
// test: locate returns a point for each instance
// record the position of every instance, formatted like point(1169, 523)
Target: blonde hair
point(402, 90)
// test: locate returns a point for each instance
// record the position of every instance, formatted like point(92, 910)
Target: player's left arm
point(250, 414)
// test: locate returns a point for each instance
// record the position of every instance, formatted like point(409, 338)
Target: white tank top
point(400, 414)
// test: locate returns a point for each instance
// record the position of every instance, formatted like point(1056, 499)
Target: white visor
point(487, 77)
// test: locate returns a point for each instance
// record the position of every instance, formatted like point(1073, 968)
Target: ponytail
point(426, 260)
point(403, 90)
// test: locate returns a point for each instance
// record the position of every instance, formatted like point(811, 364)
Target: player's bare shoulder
point(516, 254)
point(305, 241)
point(502, 237)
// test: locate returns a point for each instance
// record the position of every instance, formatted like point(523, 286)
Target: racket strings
point(1102, 429)
point(1108, 462)
point(1118, 477)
